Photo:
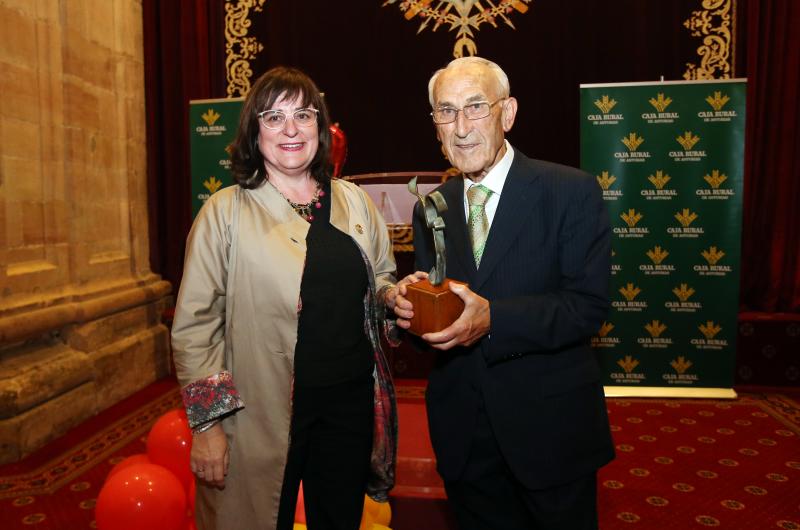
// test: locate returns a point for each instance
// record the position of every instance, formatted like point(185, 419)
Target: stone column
point(80, 310)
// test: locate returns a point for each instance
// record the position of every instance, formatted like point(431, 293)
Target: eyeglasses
point(472, 111)
point(276, 119)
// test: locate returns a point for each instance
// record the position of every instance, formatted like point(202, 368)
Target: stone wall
point(80, 310)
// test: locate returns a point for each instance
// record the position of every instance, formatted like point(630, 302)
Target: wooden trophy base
point(435, 306)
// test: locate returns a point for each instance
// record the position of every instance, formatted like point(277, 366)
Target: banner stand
point(669, 157)
point(669, 392)
point(212, 127)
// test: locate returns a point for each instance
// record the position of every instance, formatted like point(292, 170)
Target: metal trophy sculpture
point(435, 305)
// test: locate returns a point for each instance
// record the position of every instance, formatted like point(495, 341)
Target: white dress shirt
point(495, 179)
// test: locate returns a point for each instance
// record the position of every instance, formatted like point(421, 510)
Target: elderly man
point(515, 404)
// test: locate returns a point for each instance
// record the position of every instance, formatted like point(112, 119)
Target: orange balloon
point(132, 460)
point(366, 522)
point(169, 444)
point(384, 515)
point(300, 507)
point(370, 506)
point(141, 496)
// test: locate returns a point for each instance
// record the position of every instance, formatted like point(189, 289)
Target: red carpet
point(681, 464)
point(691, 464)
point(418, 498)
point(56, 487)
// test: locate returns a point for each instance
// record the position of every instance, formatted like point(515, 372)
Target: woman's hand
point(396, 301)
point(210, 456)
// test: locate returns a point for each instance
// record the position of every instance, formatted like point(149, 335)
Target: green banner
point(212, 127)
point(669, 157)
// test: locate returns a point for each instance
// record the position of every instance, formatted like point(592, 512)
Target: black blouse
point(332, 345)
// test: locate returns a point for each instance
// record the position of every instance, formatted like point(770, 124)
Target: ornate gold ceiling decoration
point(459, 15)
point(239, 48)
point(716, 24)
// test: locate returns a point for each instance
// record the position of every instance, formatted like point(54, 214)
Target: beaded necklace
point(305, 210)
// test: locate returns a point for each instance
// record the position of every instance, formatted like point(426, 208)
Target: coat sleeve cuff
point(388, 325)
point(210, 399)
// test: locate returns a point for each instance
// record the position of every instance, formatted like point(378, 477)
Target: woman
point(276, 327)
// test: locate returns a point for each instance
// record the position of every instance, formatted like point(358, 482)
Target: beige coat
point(237, 310)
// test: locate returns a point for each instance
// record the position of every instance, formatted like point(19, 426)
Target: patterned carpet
point(56, 487)
point(681, 464)
point(692, 464)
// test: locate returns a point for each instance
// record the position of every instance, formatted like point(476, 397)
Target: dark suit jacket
point(545, 271)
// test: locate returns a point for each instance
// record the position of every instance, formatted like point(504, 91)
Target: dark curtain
point(771, 224)
point(374, 67)
point(183, 46)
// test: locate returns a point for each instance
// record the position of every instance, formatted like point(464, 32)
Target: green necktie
point(477, 196)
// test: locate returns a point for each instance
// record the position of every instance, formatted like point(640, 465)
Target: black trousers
point(330, 447)
point(489, 497)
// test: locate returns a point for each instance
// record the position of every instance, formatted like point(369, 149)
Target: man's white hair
point(465, 62)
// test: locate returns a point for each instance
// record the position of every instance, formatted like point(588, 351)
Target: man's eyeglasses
point(276, 119)
point(472, 111)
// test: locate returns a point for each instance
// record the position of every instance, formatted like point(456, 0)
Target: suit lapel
point(518, 200)
point(456, 237)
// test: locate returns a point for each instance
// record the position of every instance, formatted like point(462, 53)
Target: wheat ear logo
point(680, 364)
point(683, 292)
point(685, 217)
point(630, 292)
point(717, 101)
point(709, 329)
point(605, 329)
point(212, 184)
point(660, 102)
point(688, 140)
point(715, 178)
point(605, 180)
point(628, 364)
point(605, 104)
point(210, 117)
point(632, 141)
point(657, 255)
point(659, 179)
point(712, 255)
point(631, 217)
point(655, 328)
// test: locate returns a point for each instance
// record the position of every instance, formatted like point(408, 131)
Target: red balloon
point(338, 149)
point(300, 508)
point(190, 497)
point(169, 444)
point(132, 460)
point(141, 496)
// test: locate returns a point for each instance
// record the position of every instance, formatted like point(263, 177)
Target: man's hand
point(210, 456)
point(468, 328)
point(396, 300)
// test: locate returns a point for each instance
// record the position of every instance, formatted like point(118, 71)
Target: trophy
point(435, 305)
